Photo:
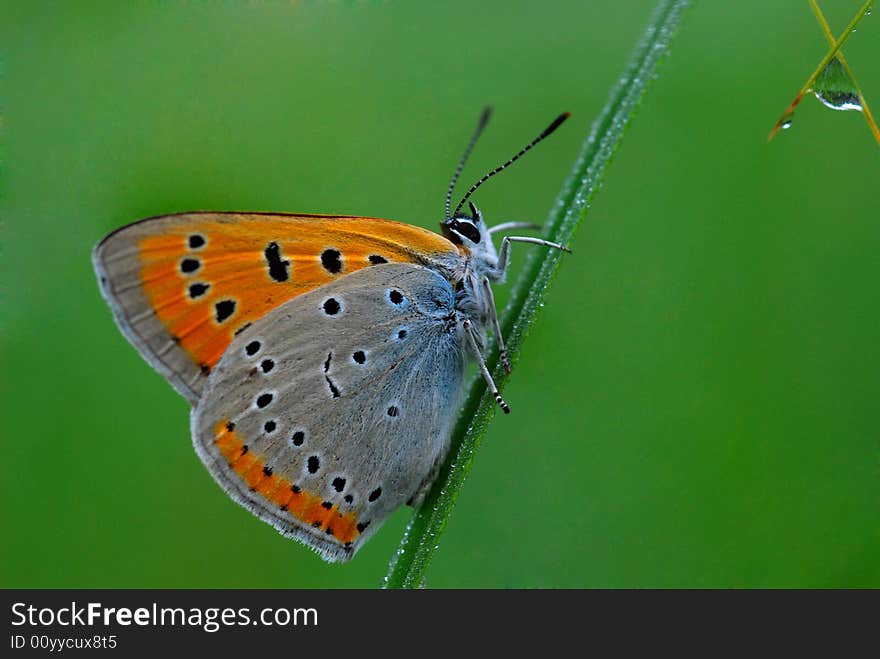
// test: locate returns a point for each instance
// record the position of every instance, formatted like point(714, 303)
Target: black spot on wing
point(198, 290)
point(189, 266)
point(224, 309)
point(333, 388)
point(278, 268)
point(331, 306)
point(331, 259)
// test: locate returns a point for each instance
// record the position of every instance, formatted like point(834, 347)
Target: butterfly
point(324, 356)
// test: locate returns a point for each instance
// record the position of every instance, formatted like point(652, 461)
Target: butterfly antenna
point(557, 122)
point(484, 119)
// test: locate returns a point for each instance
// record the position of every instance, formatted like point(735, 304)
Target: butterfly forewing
point(183, 286)
point(332, 410)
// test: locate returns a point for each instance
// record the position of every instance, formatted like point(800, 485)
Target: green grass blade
point(408, 567)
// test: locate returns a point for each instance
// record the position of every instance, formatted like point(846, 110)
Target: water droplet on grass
point(835, 88)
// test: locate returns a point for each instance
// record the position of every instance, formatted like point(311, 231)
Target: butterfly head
point(469, 232)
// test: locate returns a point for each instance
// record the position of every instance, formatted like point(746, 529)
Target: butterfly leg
point(504, 251)
point(493, 314)
point(475, 347)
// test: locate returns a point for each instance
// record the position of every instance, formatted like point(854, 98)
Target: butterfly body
point(324, 356)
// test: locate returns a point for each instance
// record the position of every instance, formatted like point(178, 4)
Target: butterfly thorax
point(477, 268)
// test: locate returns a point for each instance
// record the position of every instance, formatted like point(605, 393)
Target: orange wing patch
point(277, 490)
point(215, 274)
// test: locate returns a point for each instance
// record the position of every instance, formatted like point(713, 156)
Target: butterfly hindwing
point(367, 368)
point(181, 287)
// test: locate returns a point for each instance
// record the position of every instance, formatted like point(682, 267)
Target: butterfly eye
point(467, 229)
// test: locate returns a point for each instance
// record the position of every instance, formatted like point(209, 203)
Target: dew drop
point(836, 89)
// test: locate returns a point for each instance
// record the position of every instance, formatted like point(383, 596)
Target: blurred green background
point(697, 405)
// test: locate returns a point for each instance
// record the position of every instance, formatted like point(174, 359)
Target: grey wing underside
point(345, 394)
